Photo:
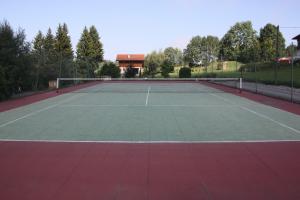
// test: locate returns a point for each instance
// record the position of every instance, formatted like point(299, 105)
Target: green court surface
point(148, 112)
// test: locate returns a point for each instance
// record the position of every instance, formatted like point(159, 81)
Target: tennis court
point(149, 140)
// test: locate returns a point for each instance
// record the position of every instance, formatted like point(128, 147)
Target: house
point(136, 61)
point(297, 56)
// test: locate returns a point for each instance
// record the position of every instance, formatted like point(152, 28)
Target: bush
point(166, 68)
point(185, 72)
point(206, 75)
point(110, 69)
point(130, 72)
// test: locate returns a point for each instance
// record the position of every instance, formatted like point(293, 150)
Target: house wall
point(131, 63)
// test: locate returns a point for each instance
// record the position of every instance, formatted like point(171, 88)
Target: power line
point(289, 26)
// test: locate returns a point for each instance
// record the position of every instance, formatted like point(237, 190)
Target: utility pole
point(292, 76)
point(277, 54)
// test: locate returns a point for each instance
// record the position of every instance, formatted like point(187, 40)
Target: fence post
point(255, 74)
point(292, 75)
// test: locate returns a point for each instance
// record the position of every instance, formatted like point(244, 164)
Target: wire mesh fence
point(281, 80)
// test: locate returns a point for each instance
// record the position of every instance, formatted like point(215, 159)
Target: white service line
point(127, 105)
point(99, 105)
point(192, 106)
point(259, 114)
point(38, 111)
point(146, 103)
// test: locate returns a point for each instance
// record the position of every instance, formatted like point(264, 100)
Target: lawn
point(265, 74)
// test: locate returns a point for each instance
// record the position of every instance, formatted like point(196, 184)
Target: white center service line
point(146, 103)
point(38, 111)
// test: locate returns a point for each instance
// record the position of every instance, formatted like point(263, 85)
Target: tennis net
point(143, 85)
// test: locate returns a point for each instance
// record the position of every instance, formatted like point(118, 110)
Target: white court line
point(100, 105)
point(146, 103)
point(260, 115)
point(266, 117)
point(151, 142)
point(125, 105)
point(38, 111)
point(192, 106)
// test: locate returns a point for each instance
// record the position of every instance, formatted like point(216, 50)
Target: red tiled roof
point(129, 57)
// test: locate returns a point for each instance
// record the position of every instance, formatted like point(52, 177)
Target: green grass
point(265, 73)
point(267, 76)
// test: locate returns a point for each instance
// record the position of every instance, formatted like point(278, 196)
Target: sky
point(141, 26)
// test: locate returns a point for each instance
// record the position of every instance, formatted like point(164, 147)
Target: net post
point(57, 84)
point(241, 84)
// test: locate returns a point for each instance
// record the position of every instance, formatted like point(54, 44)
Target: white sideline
point(38, 111)
point(260, 115)
point(269, 118)
point(151, 142)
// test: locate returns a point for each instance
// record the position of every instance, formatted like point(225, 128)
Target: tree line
point(241, 43)
point(30, 66)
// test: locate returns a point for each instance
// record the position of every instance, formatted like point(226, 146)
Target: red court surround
point(60, 171)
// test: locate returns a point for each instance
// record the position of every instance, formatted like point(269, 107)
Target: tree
point(97, 48)
point(192, 53)
point(268, 43)
point(89, 51)
point(63, 48)
point(173, 56)
point(166, 68)
point(291, 50)
point(240, 43)
point(84, 54)
point(15, 61)
point(202, 50)
point(110, 69)
point(210, 50)
point(51, 69)
point(39, 55)
point(153, 62)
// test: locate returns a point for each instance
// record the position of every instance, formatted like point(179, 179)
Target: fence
point(281, 80)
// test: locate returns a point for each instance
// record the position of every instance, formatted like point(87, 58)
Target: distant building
point(297, 56)
point(136, 61)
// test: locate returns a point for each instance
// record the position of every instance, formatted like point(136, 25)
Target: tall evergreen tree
point(15, 61)
point(85, 54)
point(39, 56)
point(97, 52)
point(51, 57)
point(85, 46)
point(63, 48)
point(49, 42)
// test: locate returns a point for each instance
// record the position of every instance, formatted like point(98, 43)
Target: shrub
point(130, 72)
point(206, 75)
point(166, 68)
point(185, 72)
point(110, 69)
